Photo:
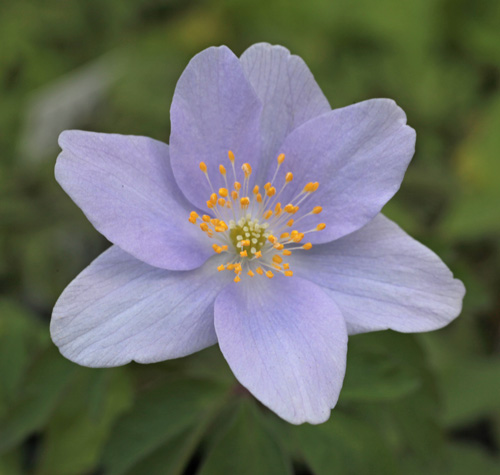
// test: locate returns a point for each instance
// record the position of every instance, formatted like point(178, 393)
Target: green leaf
point(471, 389)
point(157, 417)
point(473, 213)
point(42, 389)
point(246, 447)
point(466, 459)
point(379, 368)
point(21, 336)
point(172, 458)
point(82, 422)
point(344, 445)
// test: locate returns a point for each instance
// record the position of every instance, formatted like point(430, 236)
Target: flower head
point(258, 228)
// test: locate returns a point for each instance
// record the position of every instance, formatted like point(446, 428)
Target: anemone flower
point(257, 228)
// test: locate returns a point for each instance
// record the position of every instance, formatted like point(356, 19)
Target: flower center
point(248, 235)
point(253, 227)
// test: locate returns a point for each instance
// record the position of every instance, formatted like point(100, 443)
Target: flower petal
point(287, 90)
point(358, 154)
point(381, 278)
point(286, 342)
point(120, 309)
point(214, 110)
point(125, 187)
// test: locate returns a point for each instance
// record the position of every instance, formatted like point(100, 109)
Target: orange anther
point(203, 167)
point(281, 158)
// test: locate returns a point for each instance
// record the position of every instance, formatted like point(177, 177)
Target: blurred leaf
point(344, 445)
point(474, 213)
point(461, 459)
point(42, 389)
point(82, 422)
point(247, 447)
point(21, 336)
point(172, 458)
point(10, 463)
point(467, 459)
point(471, 389)
point(378, 370)
point(157, 417)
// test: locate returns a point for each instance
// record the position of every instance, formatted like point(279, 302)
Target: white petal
point(381, 278)
point(120, 309)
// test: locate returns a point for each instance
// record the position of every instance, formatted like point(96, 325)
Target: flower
point(258, 228)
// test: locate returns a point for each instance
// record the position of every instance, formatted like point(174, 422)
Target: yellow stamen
point(244, 202)
point(250, 273)
point(272, 239)
point(271, 191)
point(221, 268)
point(278, 259)
point(290, 223)
point(320, 226)
point(281, 158)
point(243, 253)
point(222, 170)
point(307, 246)
point(258, 254)
point(221, 202)
point(289, 177)
point(237, 279)
point(237, 185)
point(234, 195)
point(203, 167)
point(223, 192)
point(259, 271)
point(286, 266)
point(255, 189)
point(268, 214)
point(287, 252)
point(259, 198)
point(269, 274)
point(310, 187)
point(213, 198)
point(247, 169)
point(230, 154)
point(317, 210)
point(288, 273)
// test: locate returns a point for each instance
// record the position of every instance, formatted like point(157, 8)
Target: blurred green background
point(411, 404)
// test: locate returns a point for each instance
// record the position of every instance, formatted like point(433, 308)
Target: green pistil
point(248, 230)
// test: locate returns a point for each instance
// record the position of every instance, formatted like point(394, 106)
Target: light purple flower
point(289, 189)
